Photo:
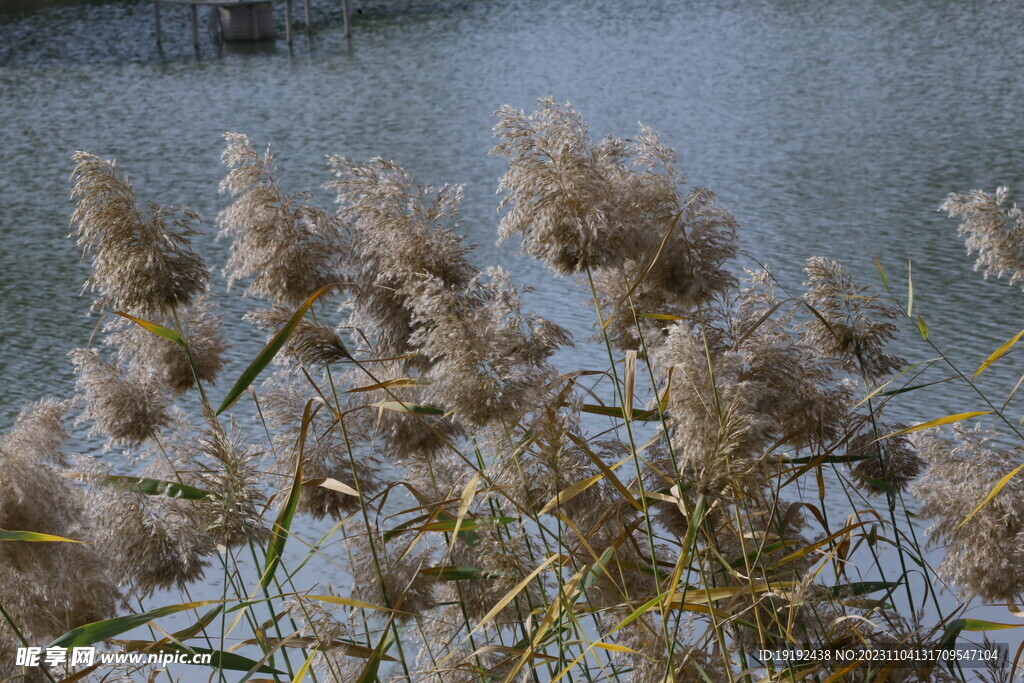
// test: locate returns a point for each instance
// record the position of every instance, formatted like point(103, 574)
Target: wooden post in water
point(344, 11)
point(156, 17)
point(288, 21)
point(309, 23)
point(195, 26)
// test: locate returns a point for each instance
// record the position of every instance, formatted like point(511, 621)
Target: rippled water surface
point(832, 128)
point(828, 128)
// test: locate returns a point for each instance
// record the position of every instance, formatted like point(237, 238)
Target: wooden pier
point(242, 20)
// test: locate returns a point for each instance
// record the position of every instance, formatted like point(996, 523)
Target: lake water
point(829, 128)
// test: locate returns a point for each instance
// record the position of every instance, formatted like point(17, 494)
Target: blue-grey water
point(829, 128)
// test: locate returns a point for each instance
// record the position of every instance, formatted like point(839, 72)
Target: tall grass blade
point(992, 494)
point(910, 289)
point(108, 628)
point(348, 602)
point(511, 595)
point(305, 668)
point(270, 350)
point(468, 493)
point(399, 383)
point(629, 384)
point(165, 332)
point(881, 274)
point(606, 471)
point(284, 518)
point(369, 674)
point(999, 353)
point(332, 485)
point(948, 419)
point(33, 537)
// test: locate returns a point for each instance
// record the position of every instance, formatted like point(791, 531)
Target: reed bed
point(662, 518)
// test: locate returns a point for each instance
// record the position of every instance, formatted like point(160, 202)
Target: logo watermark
point(87, 656)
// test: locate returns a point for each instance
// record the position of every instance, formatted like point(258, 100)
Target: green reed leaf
point(88, 634)
point(160, 330)
point(638, 414)
point(860, 588)
point(369, 673)
point(454, 573)
point(270, 350)
point(33, 537)
point(399, 407)
point(157, 487)
point(283, 523)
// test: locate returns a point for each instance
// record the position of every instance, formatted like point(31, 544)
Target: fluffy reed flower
point(557, 188)
point(892, 461)
point(142, 260)
point(39, 432)
point(444, 657)
point(310, 343)
point(488, 363)
point(671, 278)
point(401, 234)
point(854, 326)
point(154, 542)
point(47, 588)
point(505, 559)
point(551, 458)
point(743, 381)
point(325, 454)
point(289, 247)
point(995, 232)
point(323, 631)
point(126, 409)
point(383, 577)
point(227, 466)
point(613, 208)
point(165, 362)
point(985, 555)
point(409, 435)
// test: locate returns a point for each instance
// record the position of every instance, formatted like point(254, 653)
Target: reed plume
point(142, 259)
point(745, 380)
point(311, 343)
point(381, 576)
point(401, 233)
point(227, 466)
point(488, 363)
point(984, 554)
point(290, 247)
point(887, 466)
point(47, 588)
point(154, 542)
point(614, 209)
point(160, 362)
point(852, 326)
point(325, 453)
point(122, 406)
point(993, 231)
